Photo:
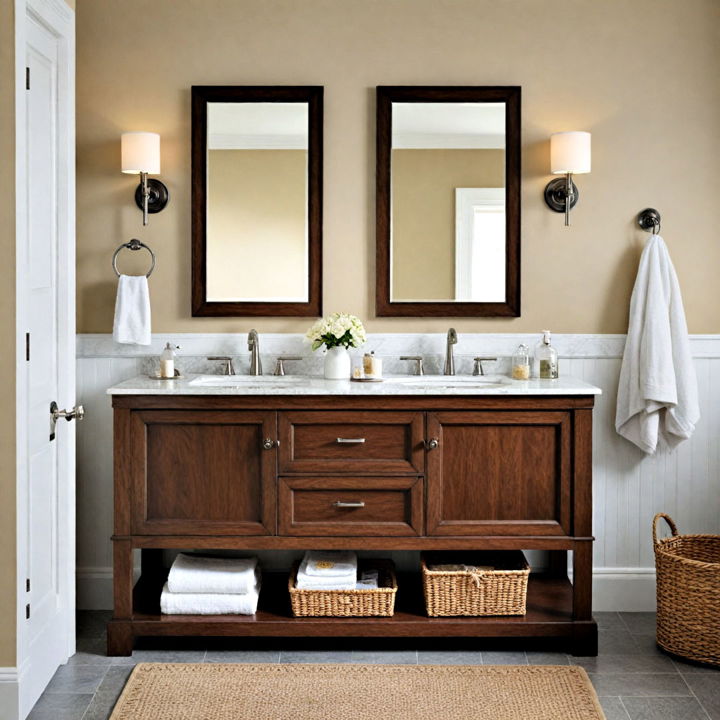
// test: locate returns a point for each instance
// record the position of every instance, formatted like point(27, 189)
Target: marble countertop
point(392, 385)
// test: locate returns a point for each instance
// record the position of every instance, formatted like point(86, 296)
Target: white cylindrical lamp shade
point(570, 152)
point(140, 152)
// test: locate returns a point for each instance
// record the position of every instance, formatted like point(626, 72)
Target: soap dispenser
point(521, 363)
point(167, 361)
point(547, 358)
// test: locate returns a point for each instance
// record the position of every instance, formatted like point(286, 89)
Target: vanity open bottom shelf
point(549, 615)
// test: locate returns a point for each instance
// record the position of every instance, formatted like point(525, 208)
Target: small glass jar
point(521, 363)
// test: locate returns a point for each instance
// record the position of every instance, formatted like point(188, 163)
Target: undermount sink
point(453, 380)
point(244, 380)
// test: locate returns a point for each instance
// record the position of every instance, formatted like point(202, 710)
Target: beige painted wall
point(257, 207)
point(642, 77)
point(7, 333)
point(423, 203)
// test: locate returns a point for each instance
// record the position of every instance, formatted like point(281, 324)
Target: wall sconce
point(569, 154)
point(141, 154)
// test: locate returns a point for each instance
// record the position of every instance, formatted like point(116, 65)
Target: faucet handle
point(478, 368)
point(228, 367)
point(417, 359)
point(280, 367)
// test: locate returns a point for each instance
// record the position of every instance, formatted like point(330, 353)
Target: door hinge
point(27, 78)
point(27, 611)
point(27, 347)
point(27, 585)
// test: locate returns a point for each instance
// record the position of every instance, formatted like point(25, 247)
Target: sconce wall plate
point(556, 194)
point(158, 195)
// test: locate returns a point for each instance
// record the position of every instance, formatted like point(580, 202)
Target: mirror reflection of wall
point(448, 224)
point(257, 229)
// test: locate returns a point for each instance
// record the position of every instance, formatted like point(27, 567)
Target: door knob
point(77, 413)
point(432, 444)
point(269, 443)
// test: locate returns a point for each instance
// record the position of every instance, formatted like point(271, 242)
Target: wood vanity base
point(196, 473)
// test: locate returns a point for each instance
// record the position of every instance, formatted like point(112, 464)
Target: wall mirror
point(256, 201)
point(448, 201)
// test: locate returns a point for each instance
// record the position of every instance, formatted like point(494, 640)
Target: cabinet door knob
point(269, 443)
point(432, 444)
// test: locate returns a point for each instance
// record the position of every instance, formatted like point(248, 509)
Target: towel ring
point(649, 219)
point(134, 244)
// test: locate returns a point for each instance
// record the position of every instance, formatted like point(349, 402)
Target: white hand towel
point(331, 563)
point(132, 311)
point(209, 603)
point(192, 574)
point(657, 394)
point(315, 582)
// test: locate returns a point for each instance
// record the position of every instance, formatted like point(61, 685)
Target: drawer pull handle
point(351, 441)
point(340, 504)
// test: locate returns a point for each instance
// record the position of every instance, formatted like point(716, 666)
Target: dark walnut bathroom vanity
point(320, 465)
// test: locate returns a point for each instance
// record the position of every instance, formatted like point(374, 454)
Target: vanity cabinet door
point(499, 473)
point(203, 473)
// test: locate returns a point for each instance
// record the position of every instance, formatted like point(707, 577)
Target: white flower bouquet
point(337, 330)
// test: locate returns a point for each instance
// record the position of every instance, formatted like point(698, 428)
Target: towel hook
point(649, 219)
point(134, 244)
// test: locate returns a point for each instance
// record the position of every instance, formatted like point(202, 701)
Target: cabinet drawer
point(341, 506)
point(352, 442)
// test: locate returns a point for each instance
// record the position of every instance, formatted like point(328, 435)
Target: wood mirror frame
point(201, 96)
point(386, 96)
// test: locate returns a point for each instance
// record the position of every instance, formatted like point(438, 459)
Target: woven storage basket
point(688, 593)
point(492, 592)
point(347, 603)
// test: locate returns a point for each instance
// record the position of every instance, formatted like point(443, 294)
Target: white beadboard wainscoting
point(629, 487)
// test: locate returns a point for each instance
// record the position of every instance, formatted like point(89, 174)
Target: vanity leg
point(119, 630)
point(584, 640)
point(119, 638)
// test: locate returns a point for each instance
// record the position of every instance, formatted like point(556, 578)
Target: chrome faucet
point(449, 358)
point(254, 348)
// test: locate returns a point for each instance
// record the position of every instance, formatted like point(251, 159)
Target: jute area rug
point(160, 691)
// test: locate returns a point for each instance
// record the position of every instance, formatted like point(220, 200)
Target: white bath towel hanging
point(132, 311)
point(657, 394)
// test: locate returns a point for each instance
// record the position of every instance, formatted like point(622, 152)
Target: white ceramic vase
point(337, 364)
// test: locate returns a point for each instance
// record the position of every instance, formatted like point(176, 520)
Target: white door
point(46, 312)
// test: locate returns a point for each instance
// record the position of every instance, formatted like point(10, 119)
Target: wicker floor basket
point(492, 592)
point(688, 593)
point(347, 603)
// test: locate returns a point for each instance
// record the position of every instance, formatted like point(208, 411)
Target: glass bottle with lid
point(547, 358)
point(521, 363)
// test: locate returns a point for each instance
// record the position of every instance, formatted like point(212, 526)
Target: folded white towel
point(209, 603)
point(194, 574)
point(331, 563)
point(315, 582)
point(132, 311)
point(368, 580)
point(657, 393)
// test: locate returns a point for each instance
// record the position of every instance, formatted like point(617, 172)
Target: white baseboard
point(614, 589)
point(94, 589)
point(624, 589)
point(9, 693)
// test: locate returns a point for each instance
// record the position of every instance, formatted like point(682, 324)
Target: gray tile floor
point(635, 681)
